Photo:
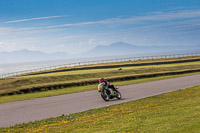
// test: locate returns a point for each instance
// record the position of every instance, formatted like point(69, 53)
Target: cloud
point(25, 31)
point(92, 41)
point(156, 16)
point(166, 17)
point(167, 24)
point(8, 46)
point(71, 37)
point(38, 18)
point(107, 21)
point(2, 45)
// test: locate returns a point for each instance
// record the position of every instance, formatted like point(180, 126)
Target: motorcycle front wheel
point(104, 95)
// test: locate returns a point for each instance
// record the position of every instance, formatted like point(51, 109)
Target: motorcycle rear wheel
point(118, 94)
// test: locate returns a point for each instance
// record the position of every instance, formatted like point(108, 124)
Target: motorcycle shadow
point(115, 99)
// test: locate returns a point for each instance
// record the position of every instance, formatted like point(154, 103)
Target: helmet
point(101, 80)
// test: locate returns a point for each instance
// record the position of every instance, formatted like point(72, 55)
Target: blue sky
point(76, 26)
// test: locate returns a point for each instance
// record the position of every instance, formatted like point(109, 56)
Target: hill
point(29, 56)
point(121, 48)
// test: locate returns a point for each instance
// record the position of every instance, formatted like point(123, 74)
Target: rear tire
point(118, 94)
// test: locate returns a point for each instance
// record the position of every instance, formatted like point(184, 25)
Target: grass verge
point(177, 111)
point(28, 96)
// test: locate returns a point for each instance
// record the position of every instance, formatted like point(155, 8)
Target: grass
point(177, 111)
point(106, 70)
point(139, 61)
point(13, 84)
point(28, 96)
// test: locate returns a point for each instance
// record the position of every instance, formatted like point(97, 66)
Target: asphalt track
point(41, 108)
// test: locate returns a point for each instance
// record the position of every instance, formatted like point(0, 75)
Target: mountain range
point(114, 49)
point(121, 48)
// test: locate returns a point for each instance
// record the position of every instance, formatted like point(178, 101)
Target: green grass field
point(23, 82)
point(106, 70)
point(177, 111)
point(139, 61)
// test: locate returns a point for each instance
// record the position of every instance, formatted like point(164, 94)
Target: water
point(16, 67)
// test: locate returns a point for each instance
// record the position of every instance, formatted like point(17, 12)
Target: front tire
point(104, 95)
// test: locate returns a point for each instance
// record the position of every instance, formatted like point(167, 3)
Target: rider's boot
point(111, 91)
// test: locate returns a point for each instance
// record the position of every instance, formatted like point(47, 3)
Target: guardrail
point(98, 62)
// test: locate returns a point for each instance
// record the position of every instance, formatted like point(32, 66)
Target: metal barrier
point(98, 62)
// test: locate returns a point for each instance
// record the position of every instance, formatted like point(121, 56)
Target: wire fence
point(98, 62)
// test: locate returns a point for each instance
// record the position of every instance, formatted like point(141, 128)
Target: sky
point(76, 26)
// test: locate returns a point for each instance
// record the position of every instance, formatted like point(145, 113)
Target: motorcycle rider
point(107, 84)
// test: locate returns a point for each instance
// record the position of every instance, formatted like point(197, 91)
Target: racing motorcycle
point(108, 93)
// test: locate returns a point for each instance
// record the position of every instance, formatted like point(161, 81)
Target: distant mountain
point(29, 56)
point(121, 48)
point(114, 49)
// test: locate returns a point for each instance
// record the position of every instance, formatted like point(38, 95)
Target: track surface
point(41, 108)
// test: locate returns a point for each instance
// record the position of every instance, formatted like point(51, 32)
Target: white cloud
point(71, 37)
point(2, 45)
point(92, 42)
point(8, 46)
point(38, 18)
point(5, 30)
point(13, 44)
point(107, 21)
point(25, 31)
point(158, 16)
point(78, 43)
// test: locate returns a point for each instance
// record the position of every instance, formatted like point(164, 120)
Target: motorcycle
point(108, 93)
